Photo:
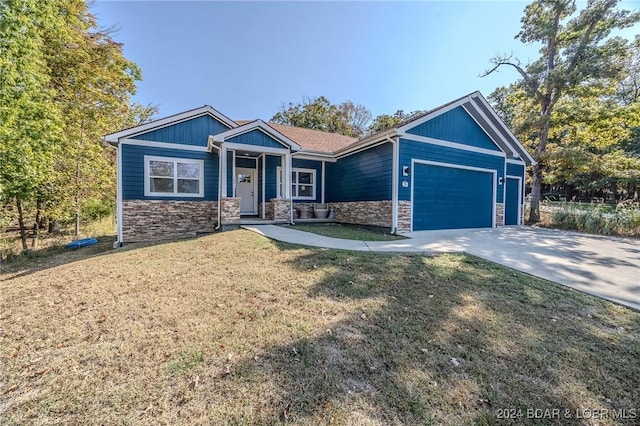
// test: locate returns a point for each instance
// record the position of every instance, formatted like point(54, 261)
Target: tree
point(386, 121)
point(346, 118)
point(576, 53)
point(30, 121)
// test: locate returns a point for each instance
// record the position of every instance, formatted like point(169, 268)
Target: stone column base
point(229, 210)
point(279, 210)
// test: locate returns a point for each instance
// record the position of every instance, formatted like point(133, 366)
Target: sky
point(247, 59)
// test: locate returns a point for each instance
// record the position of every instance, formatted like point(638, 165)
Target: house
point(456, 166)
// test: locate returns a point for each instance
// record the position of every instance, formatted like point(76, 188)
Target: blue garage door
point(450, 198)
point(511, 202)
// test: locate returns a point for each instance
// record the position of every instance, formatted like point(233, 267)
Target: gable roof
point(312, 140)
point(167, 121)
point(257, 125)
point(481, 111)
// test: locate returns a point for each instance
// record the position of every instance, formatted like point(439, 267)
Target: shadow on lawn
point(52, 257)
point(448, 345)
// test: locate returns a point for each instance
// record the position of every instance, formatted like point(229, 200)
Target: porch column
point(233, 173)
point(288, 191)
point(223, 172)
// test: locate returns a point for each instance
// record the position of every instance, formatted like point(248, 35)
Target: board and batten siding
point(364, 176)
point(257, 138)
point(271, 177)
point(194, 131)
point(410, 149)
point(455, 126)
point(133, 171)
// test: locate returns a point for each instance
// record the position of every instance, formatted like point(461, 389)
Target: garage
point(447, 196)
point(512, 201)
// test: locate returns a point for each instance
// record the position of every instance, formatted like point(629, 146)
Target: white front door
point(246, 190)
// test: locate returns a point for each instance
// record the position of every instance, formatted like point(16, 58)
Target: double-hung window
point(175, 177)
point(303, 184)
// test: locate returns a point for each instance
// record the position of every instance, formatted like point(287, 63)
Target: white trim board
point(165, 145)
point(455, 166)
point(254, 148)
point(518, 162)
point(257, 125)
point(454, 145)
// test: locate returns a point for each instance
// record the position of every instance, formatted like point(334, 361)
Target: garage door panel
point(449, 198)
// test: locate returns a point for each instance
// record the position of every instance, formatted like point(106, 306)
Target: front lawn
point(233, 328)
point(346, 232)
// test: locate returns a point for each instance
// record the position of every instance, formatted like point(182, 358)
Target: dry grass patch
point(234, 328)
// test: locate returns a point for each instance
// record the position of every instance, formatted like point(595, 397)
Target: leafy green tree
point(30, 121)
point(346, 118)
point(576, 54)
point(386, 121)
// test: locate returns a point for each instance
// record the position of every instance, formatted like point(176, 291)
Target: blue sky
point(248, 58)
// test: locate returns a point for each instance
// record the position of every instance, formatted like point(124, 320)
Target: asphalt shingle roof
point(311, 140)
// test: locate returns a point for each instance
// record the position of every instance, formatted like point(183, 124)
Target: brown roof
point(311, 140)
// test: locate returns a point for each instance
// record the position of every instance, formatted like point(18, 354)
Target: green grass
point(233, 328)
point(346, 232)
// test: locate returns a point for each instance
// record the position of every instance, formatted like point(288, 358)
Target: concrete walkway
point(606, 267)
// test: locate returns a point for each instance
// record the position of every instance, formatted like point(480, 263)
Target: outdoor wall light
point(500, 180)
point(405, 170)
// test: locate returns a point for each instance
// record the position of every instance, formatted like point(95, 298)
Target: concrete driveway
point(606, 267)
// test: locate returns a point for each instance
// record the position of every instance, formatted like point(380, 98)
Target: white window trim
point(147, 177)
point(314, 185)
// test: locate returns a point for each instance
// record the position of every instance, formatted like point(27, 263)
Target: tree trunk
point(536, 181)
point(23, 231)
point(77, 201)
point(36, 225)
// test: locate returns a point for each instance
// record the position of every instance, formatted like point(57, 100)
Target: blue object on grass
point(81, 243)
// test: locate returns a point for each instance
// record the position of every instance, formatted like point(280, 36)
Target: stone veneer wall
point(404, 216)
point(149, 220)
point(372, 213)
point(499, 214)
point(279, 210)
point(229, 210)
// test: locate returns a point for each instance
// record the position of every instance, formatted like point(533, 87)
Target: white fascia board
point(254, 148)
point(256, 125)
point(166, 145)
point(455, 145)
point(434, 114)
point(305, 155)
point(514, 161)
point(519, 147)
point(167, 121)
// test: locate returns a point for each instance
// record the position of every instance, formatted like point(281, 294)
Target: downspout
point(394, 184)
point(289, 167)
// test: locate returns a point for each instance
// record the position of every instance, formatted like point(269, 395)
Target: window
point(178, 177)
point(303, 184)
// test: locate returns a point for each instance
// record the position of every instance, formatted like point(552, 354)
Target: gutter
point(395, 158)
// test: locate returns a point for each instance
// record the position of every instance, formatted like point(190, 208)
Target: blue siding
point(511, 205)
point(258, 138)
point(455, 126)
point(515, 170)
point(195, 131)
point(451, 198)
point(230, 175)
point(424, 151)
point(314, 165)
point(271, 178)
point(365, 176)
point(246, 163)
point(133, 171)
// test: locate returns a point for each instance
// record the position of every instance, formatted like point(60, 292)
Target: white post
point(323, 180)
point(233, 174)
